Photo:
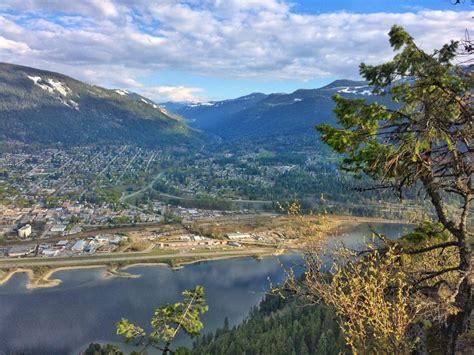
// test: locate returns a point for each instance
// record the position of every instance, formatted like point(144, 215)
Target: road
point(38, 183)
point(226, 200)
point(125, 257)
point(129, 163)
point(152, 156)
point(124, 197)
point(111, 161)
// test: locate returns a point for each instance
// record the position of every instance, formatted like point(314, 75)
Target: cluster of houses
point(99, 243)
point(67, 219)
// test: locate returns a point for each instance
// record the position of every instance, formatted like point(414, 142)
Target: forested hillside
point(258, 116)
point(277, 326)
point(38, 106)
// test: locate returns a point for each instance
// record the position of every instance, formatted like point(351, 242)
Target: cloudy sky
point(199, 50)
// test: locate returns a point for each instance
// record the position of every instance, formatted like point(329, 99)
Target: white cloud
point(106, 41)
point(173, 93)
point(12, 47)
point(92, 8)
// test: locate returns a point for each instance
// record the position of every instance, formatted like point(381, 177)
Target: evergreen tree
point(278, 326)
point(322, 347)
point(427, 142)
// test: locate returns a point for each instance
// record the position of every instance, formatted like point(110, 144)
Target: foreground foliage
point(167, 321)
point(427, 142)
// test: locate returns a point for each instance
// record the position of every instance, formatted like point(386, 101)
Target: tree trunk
point(458, 323)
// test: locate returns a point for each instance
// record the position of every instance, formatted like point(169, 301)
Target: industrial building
point(79, 246)
point(25, 231)
point(20, 250)
point(238, 236)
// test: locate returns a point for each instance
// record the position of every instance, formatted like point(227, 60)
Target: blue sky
point(200, 50)
point(371, 6)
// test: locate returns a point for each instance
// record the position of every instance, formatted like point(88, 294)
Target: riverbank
point(40, 269)
point(40, 276)
point(87, 306)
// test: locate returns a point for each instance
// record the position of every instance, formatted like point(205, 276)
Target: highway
point(125, 257)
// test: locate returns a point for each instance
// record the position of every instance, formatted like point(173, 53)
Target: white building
point(62, 243)
point(50, 252)
point(101, 239)
point(25, 231)
point(238, 236)
point(116, 240)
point(79, 246)
point(59, 228)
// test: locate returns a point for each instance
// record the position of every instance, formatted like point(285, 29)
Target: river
point(86, 305)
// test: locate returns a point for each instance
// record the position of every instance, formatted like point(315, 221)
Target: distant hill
point(259, 115)
point(46, 107)
point(206, 115)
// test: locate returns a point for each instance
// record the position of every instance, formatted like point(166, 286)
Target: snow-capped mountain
point(47, 107)
point(260, 115)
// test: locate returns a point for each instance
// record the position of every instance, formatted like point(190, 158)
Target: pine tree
point(226, 325)
point(303, 349)
point(322, 348)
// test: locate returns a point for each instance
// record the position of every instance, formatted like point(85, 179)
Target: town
point(50, 193)
point(145, 242)
point(212, 232)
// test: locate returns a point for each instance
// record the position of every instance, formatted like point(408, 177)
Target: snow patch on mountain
point(59, 87)
point(122, 92)
point(73, 104)
point(358, 90)
point(51, 85)
point(37, 80)
point(151, 104)
point(55, 87)
point(197, 104)
point(69, 103)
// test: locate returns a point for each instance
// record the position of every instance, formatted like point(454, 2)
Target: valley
point(236, 160)
point(64, 191)
point(196, 177)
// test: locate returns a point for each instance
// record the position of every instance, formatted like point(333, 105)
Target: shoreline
point(40, 276)
point(43, 280)
point(35, 281)
point(7, 275)
point(181, 265)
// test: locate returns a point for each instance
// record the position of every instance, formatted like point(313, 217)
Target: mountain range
point(261, 115)
point(46, 107)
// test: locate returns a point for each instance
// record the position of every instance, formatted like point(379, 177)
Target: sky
point(202, 50)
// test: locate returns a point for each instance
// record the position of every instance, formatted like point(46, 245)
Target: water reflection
point(86, 306)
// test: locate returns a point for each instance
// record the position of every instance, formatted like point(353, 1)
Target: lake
point(86, 306)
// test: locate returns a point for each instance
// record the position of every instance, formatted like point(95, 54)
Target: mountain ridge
point(48, 107)
point(267, 115)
